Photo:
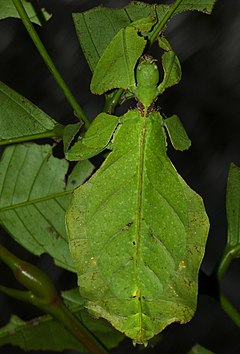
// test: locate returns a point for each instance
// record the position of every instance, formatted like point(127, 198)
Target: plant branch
point(57, 132)
point(47, 59)
point(226, 260)
point(158, 28)
point(230, 309)
point(42, 293)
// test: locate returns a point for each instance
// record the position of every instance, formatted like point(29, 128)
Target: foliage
point(136, 231)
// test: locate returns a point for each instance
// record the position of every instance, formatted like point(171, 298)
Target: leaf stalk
point(48, 61)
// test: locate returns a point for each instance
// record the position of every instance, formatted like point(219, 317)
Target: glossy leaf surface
point(137, 234)
point(44, 333)
point(34, 197)
point(7, 9)
point(20, 117)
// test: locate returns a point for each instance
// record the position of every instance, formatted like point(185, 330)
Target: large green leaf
point(21, 118)
point(44, 333)
point(137, 233)
point(34, 197)
point(7, 9)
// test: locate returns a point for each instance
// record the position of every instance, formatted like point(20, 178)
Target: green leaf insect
point(137, 232)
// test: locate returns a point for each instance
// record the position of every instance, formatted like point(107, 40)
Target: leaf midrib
point(34, 201)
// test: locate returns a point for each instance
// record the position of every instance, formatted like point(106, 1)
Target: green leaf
point(34, 197)
point(198, 349)
point(21, 118)
point(96, 138)
point(7, 9)
point(44, 333)
point(233, 206)
point(137, 211)
point(115, 68)
point(177, 133)
point(199, 5)
point(171, 66)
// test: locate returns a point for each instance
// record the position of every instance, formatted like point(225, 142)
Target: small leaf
point(34, 197)
point(20, 117)
point(198, 349)
point(115, 68)
point(171, 66)
point(44, 333)
point(7, 9)
point(96, 138)
point(177, 133)
point(233, 206)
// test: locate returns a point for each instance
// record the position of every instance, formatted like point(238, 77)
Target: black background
point(208, 103)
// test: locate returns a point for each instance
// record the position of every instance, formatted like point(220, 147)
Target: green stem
point(162, 23)
point(112, 102)
point(43, 294)
point(57, 132)
point(228, 256)
point(43, 52)
point(71, 323)
point(230, 309)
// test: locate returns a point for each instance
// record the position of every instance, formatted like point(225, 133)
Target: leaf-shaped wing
point(115, 68)
point(137, 233)
point(96, 138)
point(34, 198)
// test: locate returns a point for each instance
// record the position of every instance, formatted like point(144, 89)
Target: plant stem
point(71, 323)
point(113, 101)
point(57, 132)
point(43, 294)
point(51, 66)
point(230, 309)
point(229, 254)
point(162, 23)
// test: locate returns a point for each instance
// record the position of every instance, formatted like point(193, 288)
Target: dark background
point(207, 100)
